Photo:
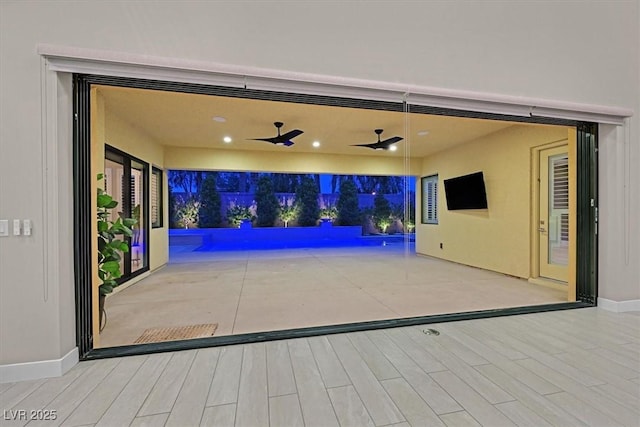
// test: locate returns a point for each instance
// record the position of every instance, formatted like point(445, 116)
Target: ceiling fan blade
point(390, 141)
point(281, 139)
point(365, 145)
point(271, 140)
point(291, 134)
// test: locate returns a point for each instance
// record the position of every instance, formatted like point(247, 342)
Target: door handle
point(542, 230)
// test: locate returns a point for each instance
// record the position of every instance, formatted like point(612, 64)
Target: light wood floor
point(567, 368)
point(265, 290)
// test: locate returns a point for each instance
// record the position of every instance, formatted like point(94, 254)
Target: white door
point(553, 229)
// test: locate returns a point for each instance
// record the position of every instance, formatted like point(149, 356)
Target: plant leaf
point(130, 222)
point(111, 267)
point(104, 200)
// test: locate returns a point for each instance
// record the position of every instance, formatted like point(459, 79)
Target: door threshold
point(549, 283)
point(159, 347)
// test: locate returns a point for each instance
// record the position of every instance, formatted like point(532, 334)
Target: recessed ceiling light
point(316, 144)
point(423, 133)
point(227, 139)
point(219, 119)
point(393, 148)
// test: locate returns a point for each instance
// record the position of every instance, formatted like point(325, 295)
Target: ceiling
point(187, 120)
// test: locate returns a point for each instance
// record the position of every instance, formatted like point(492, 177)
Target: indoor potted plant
point(112, 242)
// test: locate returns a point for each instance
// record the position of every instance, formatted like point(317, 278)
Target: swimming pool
point(248, 244)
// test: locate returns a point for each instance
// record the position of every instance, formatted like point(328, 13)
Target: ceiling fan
point(281, 139)
point(380, 145)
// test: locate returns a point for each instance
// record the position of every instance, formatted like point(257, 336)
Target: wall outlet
point(441, 246)
point(16, 227)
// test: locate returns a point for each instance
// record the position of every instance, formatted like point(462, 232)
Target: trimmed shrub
point(188, 213)
point(238, 213)
point(288, 212)
point(329, 212)
point(209, 203)
point(307, 202)
point(381, 212)
point(268, 207)
point(348, 209)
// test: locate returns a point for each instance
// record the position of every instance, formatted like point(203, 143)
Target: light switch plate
point(4, 227)
point(16, 227)
point(26, 227)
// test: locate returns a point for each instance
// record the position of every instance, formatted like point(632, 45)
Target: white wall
point(586, 52)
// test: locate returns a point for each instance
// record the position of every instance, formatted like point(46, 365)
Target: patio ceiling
point(187, 120)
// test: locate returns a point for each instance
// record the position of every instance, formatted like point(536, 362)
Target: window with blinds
point(560, 192)
point(156, 197)
point(560, 183)
point(430, 199)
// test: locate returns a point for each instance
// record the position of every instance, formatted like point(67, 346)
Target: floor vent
point(177, 333)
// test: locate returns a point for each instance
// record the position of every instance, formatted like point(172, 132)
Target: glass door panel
point(113, 185)
point(138, 212)
point(126, 181)
point(559, 209)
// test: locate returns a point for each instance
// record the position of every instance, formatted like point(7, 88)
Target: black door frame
point(127, 209)
point(587, 255)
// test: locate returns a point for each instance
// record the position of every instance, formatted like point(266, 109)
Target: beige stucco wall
point(110, 129)
point(559, 51)
point(230, 160)
point(497, 238)
point(123, 135)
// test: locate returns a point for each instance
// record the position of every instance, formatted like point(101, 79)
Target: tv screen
point(466, 192)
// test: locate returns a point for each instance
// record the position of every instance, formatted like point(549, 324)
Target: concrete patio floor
point(256, 291)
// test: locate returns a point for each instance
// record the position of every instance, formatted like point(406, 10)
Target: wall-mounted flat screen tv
point(466, 192)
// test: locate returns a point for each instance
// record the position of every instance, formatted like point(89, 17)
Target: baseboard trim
point(619, 306)
point(40, 369)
